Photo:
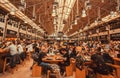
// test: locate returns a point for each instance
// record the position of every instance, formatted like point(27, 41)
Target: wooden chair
point(36, 71)
point(80, 73)
point(56, 74)
point(104, 76)
point(69, 70)
point(5, 63)
point(72, 61)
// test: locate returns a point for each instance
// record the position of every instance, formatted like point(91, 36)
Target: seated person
point(79, 58)
point(66, 59)
point(45, 66)
point(107, 58)
point(98, 64)
point(12, 48)
point(71, 51)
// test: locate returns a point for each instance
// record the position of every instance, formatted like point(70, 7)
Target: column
point(98, 38)
point(5, 27)
point(26, 32)
point(108, 32)
point(18, 32)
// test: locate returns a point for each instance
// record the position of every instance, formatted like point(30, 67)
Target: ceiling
point(67, 10)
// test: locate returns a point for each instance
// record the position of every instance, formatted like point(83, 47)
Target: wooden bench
point(36, 71)
point(56, 74)
point(117, 68)
point(80, 73)
point(69, 70)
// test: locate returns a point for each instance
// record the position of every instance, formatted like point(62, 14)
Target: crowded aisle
point(59, 38)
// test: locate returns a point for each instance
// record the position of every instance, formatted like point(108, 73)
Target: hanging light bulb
point(112, 14)
point(97, 30)
point(75, 22)
point(102, 1)
point(96, 22)
point(71, 26)
point(12, 12)
point(25, 21)
point(84, 13)
point(80, 30)
point(54, 22)
point(53, 13)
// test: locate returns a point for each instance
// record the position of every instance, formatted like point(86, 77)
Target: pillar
point(5, 27)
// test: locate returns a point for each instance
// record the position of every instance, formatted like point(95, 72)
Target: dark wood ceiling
point(44, 11)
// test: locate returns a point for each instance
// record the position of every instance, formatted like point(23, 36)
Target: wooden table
point(53, 59)
point(116, 60)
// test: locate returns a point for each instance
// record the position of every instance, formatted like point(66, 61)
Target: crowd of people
point(95, 52)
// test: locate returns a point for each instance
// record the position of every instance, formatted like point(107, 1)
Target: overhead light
point(97, 30)
point(80, 30)
point(71, 26)
point(96, 22)
point(25, 22)
point(102, 1)
point(77, 17)
point(86, 27)
point(12, 12)
point(68, 30)
point(53, 14)
point(112, 13)
point(75, 22)
point(83, 13)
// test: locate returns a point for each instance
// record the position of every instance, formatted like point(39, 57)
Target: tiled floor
point(22, 72)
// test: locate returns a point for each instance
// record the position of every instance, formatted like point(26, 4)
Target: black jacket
point(41, 56)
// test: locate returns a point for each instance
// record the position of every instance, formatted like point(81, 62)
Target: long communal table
point(53, 59)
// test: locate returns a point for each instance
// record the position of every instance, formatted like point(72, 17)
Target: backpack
point(35, 56)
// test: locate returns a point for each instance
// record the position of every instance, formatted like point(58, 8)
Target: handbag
point(35, 56)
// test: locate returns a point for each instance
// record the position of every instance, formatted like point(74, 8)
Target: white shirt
point(13, 49)
point(20, 49)
point(29, 48)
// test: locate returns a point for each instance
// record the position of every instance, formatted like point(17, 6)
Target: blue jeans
point(45, 67)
